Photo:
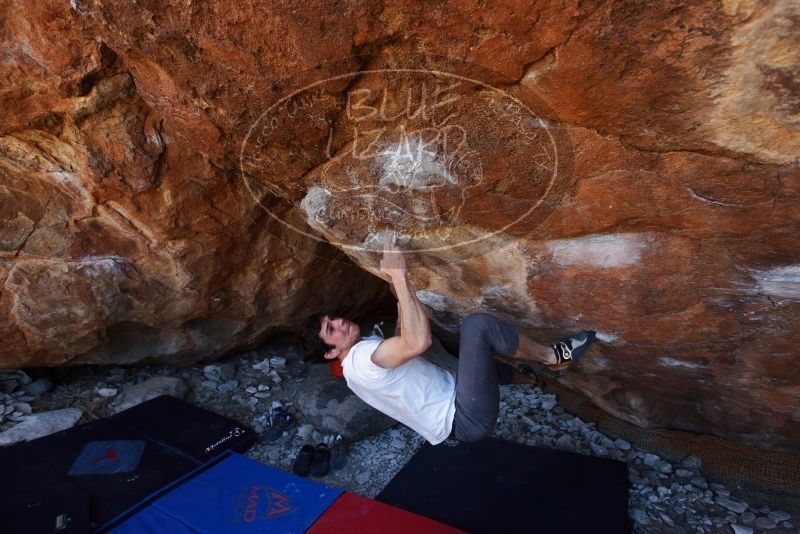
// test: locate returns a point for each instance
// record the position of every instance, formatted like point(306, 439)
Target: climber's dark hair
point(309, 345)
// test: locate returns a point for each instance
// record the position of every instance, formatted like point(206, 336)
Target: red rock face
point(122, 242)
point(159, 198)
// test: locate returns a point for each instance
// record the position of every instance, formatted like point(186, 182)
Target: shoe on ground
point(302, 464)
point(338, 453)
point(321, 463)
point(278, 422)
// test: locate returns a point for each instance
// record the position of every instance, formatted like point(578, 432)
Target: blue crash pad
point(231, 495)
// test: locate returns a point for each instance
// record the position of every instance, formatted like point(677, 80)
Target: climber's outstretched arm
point(415, 329)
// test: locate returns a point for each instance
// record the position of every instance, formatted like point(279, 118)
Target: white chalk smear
point(412, 164)
point(433, 300)
point(782, 282)
point(610, 250)
point(495, 291)
point(672, 362)
point(609, 338)
point(99, 265)
point(313, 204)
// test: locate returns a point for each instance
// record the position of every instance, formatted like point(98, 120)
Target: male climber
point(388, 375)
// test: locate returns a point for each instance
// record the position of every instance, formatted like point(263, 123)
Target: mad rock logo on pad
point(108, 457)
point(260, 503)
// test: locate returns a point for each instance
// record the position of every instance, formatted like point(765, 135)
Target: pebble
point(691, 462)
point(748, 517)
point(107, 392)
point(220, 372)
point(765, 522)
point(251, 389)
point(362, 478)
point(25, 409)
point(741, 529)
point(40, 424)
point(622, 445)
point(263, 387)
point(37, 388)
point(7, 386)
point(211, 372)
point(639, 516)
point(304, 431)
point(665, 468)
point(117, 374)
point(699, 482)
point(262, 366)
point(599, 450)
point(684, 473)
point(149, 389)
point(227, 387)
point(667, 519)
point(779, 515)
point(730, 504)
point(528, 421)
point(651, 460)
point(564, 442)
point(227, 371)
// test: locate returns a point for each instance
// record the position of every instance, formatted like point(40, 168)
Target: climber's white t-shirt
point(418, 394)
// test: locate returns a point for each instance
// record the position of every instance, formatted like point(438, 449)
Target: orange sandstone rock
point(628, 168)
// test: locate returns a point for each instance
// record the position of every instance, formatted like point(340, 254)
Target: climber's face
point(340, 333)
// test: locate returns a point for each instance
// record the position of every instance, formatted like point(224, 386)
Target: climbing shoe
point(302, 464)
point(278, 421)
point(566, 351)
point(338, 453)
point(321, 463)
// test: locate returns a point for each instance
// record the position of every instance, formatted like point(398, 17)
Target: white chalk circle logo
point(445, 161)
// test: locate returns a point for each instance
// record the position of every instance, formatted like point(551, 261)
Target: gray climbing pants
point(477, 394)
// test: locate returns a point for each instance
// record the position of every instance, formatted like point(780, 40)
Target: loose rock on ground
point(664, 496)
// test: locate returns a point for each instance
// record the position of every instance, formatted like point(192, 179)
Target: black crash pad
point(491, 486)
point(78, 479)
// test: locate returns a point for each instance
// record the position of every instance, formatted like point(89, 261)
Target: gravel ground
point(664, 496)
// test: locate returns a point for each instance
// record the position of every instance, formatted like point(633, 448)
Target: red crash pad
point(352, 513)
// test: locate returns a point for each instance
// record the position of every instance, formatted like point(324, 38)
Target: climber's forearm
point(415, 328)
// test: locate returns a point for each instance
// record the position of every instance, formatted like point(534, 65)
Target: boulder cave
point(180, 180)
